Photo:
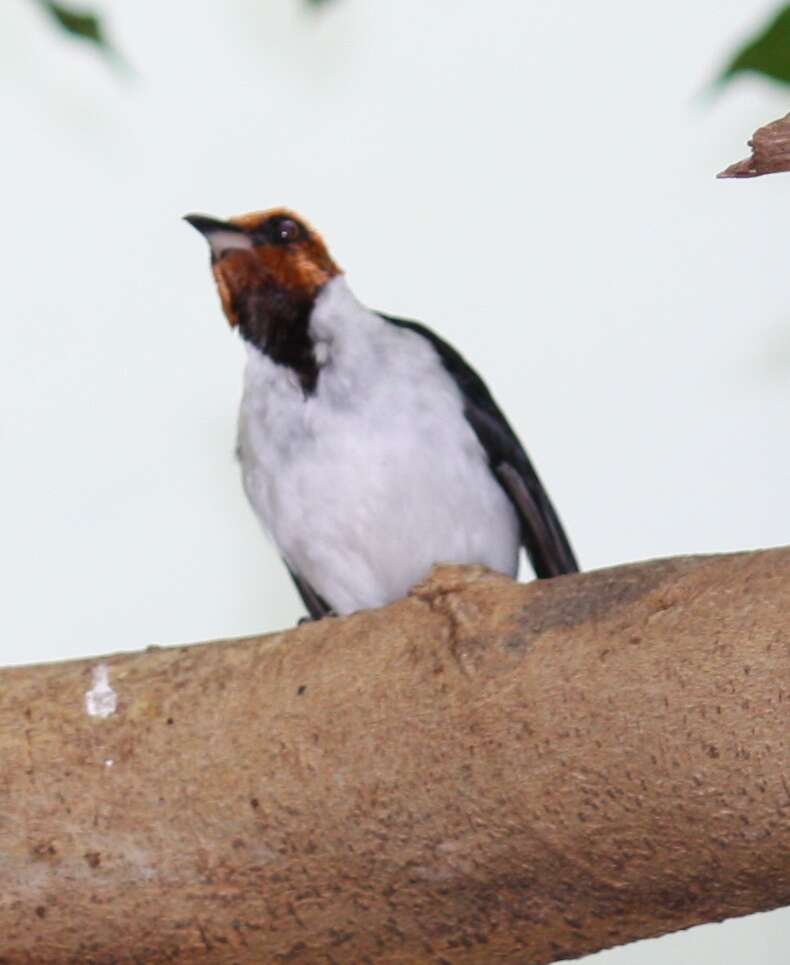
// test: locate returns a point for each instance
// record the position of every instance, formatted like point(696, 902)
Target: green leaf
point(767, 53)
point(78, 23)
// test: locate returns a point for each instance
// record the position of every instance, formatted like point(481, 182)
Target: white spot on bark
point(101, 700)
point(109, 762)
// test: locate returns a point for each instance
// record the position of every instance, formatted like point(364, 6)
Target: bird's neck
point(276, 322)
point(306, 334)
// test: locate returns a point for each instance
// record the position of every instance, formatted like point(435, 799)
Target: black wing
point(541, 530)
point(317, 607)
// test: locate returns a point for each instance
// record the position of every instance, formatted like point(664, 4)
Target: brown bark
point(770, 152)
point(484, 772)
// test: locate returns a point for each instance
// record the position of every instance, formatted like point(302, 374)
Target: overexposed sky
point(534, 180)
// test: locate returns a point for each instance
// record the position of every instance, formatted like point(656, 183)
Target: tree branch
point(484, 772)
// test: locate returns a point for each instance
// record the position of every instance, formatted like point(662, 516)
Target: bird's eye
point(286, 231)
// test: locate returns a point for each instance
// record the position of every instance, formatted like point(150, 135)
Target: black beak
point(207, 226)
point(222, 236)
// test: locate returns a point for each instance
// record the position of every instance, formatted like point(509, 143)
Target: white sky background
point(535, 180)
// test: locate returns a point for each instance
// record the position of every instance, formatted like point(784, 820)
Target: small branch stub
point(770, 152)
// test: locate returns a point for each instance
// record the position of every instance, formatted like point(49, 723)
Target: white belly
point(370, 482)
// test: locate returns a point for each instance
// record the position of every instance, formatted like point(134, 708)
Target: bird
point(370, 450)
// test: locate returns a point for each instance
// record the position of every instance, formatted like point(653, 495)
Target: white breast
point(377, 476)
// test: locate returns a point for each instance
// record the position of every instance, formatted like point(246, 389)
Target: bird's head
point(269, 266)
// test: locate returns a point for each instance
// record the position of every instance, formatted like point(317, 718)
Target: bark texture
point(484, 772)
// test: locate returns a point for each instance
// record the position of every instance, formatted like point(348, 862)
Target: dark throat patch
point(276, 321)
